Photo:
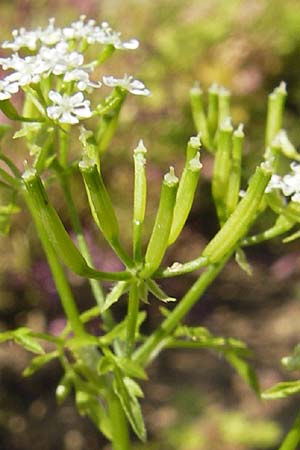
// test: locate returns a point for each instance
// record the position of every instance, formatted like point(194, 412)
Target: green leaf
point(244, 370)
point(131, 368)
point(200, 337)
point(82, 341)
point(158, 292)
point(114, 295)
point(241, 260)
point(282, 390)
point(292, 439)
point(130, 405)
point(90, 406)
point(23, 338)
point(133, 387)
point(105, 365)
point(38, 362)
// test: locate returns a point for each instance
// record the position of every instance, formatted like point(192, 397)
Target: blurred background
point(194, 400)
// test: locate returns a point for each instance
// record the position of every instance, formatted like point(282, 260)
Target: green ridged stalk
point(56, 233)
point(234, 182)
point(185, 196)
point(161, 230)
point(212, 111)
point(240, 220)
point(199, 117)
point(139, 201)
point(276, 101)
point(101, 207)
point(222, 167)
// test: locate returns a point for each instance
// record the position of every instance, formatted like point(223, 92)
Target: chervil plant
point(103, 371)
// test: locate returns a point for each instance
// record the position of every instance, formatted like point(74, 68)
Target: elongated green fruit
point(276, 102)
point(58, 237)
point(222, 166)
point(200, 121)
point(101, 207)
point(185, 196)
point(238, 223)
point(234, 182)
point(223, 105)
point(139, 201)
point(212, 111)
point(99, 200)
point(192, 148)
point(160, 234)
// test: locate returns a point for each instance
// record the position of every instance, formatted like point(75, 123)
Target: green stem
point(63, 136)
point(132, 316)
point(152, 345)
point(120, 432)
point(62, 285)
point(182, 268)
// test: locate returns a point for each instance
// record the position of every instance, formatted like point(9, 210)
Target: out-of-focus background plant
point(248, 47)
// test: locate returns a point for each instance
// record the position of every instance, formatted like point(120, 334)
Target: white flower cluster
point(79, 30)
point(56, 54)
point(288, 184)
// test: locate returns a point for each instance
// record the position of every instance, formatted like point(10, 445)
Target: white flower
point(68, 109)
point(80, 30)
point(22, 38)
point(106, 35)
point(128, 83)
point(7, 89)
point(274, 183)
point(26, 70)
point(289, 184)
point(82, 78)
point(59, 59)
point(50, 35)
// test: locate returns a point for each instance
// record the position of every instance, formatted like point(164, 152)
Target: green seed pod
point(240, 220)
point(212, 111)
point(222, 166)
point(276, 103)
point(223, 105)
point(234, 182)
point(200, 121)
point(160, 234)
point(139, 201)
point(99, 200)
point(49, 219)
point(185, 196)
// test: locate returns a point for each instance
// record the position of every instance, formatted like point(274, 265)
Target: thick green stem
point(120, 432)
point(152, 345)
point(58, 274)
